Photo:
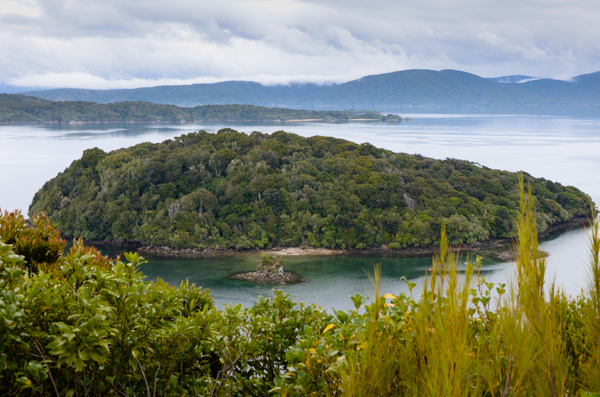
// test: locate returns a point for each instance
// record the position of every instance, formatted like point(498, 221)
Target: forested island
point(232, 191)
point(27, 109)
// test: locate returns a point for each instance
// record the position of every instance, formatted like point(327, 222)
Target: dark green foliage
point(25, 109)
point(94, 327)
point(238, 191)
point(99, 330)
point(40, 245)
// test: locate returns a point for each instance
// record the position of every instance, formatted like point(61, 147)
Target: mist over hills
point(15, 89)
point(519, 78)
point(384, 91)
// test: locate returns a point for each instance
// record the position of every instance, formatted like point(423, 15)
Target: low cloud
point(134, 43)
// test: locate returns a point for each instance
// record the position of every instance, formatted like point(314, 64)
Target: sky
point(104, 44)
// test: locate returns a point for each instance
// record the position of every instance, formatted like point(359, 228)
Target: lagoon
point(332, 279)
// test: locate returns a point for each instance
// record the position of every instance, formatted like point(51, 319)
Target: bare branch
point(173, 208)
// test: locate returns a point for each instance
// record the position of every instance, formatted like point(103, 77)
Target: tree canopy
point(25, 109)
point(231, 190)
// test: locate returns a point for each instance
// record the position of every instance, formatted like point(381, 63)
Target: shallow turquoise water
point(332, 279)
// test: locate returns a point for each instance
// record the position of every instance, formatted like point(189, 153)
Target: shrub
point(38, 241)
point(89, 325)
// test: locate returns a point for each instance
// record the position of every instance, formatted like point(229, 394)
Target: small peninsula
point(231, 191)
point(15, 109)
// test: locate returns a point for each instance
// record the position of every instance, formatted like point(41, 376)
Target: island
point(15, 109)
point(269, 271)
point(229, 191)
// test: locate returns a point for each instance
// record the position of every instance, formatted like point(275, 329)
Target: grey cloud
point(324, 40)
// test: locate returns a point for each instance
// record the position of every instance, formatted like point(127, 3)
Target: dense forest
point(79, 324)
point(230, 190)
point(26, 109)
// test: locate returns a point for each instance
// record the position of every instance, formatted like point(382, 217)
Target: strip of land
point(18, 109)
point(500, 248)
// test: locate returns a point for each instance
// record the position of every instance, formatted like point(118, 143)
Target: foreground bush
point(92, 326)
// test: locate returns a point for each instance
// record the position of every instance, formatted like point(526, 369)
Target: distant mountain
point(15, 89)
point(27, 109)
point(518, 78)
point(385, 91)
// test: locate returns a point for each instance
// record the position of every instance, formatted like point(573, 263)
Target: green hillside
point(384, 91)
point(26, 109)
point(230, 190)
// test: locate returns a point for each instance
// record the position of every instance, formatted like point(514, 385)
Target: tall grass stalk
point(373, 369)
point(542, 319)
point(590, 324)
point(443, 328)
point(454, 340)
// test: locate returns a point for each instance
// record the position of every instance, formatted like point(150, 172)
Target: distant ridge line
point(415, 87)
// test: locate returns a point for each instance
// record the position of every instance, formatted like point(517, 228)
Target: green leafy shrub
point(93, 326)
point(39, 243)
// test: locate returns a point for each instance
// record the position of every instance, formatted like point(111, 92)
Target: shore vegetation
point(79, 324)
point(27, 109)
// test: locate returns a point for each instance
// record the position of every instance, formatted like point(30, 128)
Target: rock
point(269, 271)
point(281, 277)
point(512, 256)
point(410, 202)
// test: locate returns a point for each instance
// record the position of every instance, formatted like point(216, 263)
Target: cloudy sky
point(134, 43)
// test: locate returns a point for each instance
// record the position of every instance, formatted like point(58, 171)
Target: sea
point(559, 144)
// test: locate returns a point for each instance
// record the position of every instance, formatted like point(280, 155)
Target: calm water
point(563, 147)
point(332, 279)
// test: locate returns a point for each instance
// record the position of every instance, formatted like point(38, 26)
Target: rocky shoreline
point(284, 278)
point(501, 249)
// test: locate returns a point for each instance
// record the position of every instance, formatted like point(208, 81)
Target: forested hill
point(26, 109)
point(232, 190)
point(384, 91)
